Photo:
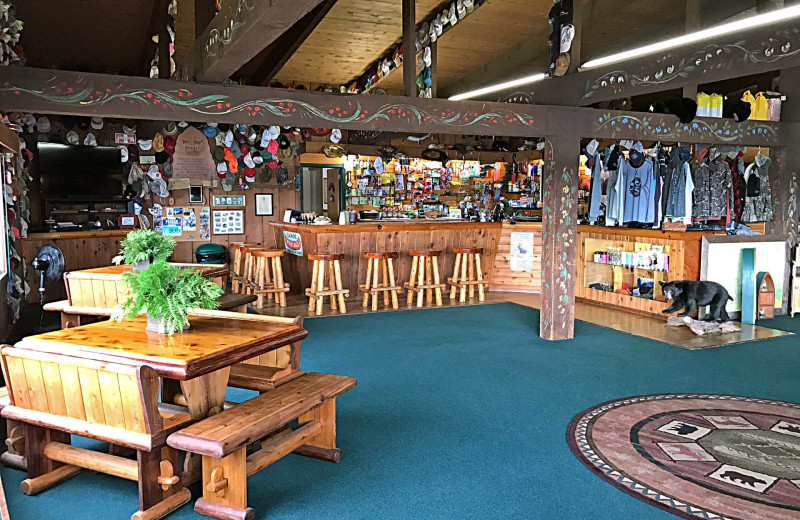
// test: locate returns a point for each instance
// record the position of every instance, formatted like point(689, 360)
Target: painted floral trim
point(669, 67)
point(349, 110)
point(724, 130)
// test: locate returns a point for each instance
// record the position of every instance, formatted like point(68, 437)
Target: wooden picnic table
point(199, 359)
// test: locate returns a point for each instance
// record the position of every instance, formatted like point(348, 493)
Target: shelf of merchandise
point(684, 264)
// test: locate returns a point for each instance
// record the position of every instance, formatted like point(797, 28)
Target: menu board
point(186, 224)
point(228, 222)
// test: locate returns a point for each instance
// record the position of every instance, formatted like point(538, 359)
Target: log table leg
point(155, 501)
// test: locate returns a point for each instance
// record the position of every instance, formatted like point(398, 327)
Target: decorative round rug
point(697, 455)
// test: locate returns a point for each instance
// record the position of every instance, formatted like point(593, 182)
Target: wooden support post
point(323, 444)
point(575, 51)
point(434, 67)
point(368, 283)
point(559, 235)
point(155, 501)
point(412, 278)
point(225, 487)
point(205, 395)
point(409, 48)
point(164, 68)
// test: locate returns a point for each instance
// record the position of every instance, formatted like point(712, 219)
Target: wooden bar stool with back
point(372, 287)
point(424, 277)
point(333, 288)
point(267, 276)
point(468, 261)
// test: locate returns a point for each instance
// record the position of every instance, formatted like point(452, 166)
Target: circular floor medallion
point(697, 455)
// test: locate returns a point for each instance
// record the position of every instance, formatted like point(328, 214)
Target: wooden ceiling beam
point(240, 31)
point(755, 51)
point(275, 56)
point(45, 91)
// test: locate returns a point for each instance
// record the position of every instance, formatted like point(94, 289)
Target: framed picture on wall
point(264, 205)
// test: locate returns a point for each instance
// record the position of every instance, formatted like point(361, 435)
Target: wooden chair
point(266, 276)
point(223, 439)
point(388, 287)
point(424, 277)
point(468, 260)
point(318, 291)
point(237, 265)
point(55, 395)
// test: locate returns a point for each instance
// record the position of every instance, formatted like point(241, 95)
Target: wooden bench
point(13, 436)
point(223, 439)
point(55, 395)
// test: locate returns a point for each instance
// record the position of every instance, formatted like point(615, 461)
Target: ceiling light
point(500, 86)
point(719, 30)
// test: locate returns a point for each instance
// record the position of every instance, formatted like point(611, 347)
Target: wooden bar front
point(354, 240)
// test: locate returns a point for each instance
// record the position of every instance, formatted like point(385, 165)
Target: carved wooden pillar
point(559, 236)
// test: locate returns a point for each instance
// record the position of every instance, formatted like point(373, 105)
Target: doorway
point(322, 191)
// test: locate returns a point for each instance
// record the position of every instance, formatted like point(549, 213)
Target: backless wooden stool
point(247, 278)
point(318, 290)
point(267, 273)
point(237, 264)
point(424, 277)
point(468, 261)
point(372, 287)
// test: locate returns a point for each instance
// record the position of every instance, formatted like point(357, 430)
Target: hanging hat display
point(90, 140)
point(170, 129)
point(97, 123)
point(336, 135)
point(123, 152)
point(158, 142)
point(72, 137)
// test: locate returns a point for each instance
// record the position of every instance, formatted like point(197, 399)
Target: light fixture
point(500, 86)
point(719, 30)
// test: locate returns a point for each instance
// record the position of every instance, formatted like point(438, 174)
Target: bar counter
point(401, 236)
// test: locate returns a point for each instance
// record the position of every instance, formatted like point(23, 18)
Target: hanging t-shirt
point(747, 97)
point(715, 102)
point(639, 189)
point(761, 107)
point(703, 104)
point(615, 203)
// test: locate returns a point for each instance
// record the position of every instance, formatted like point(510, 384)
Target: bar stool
point(318, 290)
point(425, 271)
point(236, 265)
point(247, 277)
point(387, 287)
point(468, 260)
point(267, 272)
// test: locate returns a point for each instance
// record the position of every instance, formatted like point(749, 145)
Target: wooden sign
point(192, 158)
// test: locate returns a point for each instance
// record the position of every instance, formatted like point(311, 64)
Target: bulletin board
point(187, 223)
point(722, 261)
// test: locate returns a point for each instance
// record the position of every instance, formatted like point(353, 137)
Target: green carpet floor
point(461, 413)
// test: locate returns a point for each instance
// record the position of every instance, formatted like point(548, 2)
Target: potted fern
point(142, 247)
point(166, 293)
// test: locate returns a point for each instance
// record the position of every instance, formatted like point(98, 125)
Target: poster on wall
point(293, 243)
point(192, 158)
point(228, 222)
point(185, 224)
point(521, 258)
point(204, 222)
point(172, 222)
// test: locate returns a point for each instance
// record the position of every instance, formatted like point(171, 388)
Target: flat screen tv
point(79, 172)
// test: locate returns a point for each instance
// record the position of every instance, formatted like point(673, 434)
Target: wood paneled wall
point(297, 270)
point(257, 229)
point(82, 250)
point(502, 277)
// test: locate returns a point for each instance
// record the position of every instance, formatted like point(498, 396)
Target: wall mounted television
point(79, 172)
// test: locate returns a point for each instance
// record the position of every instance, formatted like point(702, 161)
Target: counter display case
point(624, 268)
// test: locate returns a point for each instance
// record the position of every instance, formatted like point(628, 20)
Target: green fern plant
point(166, 293)
point(143, 244)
